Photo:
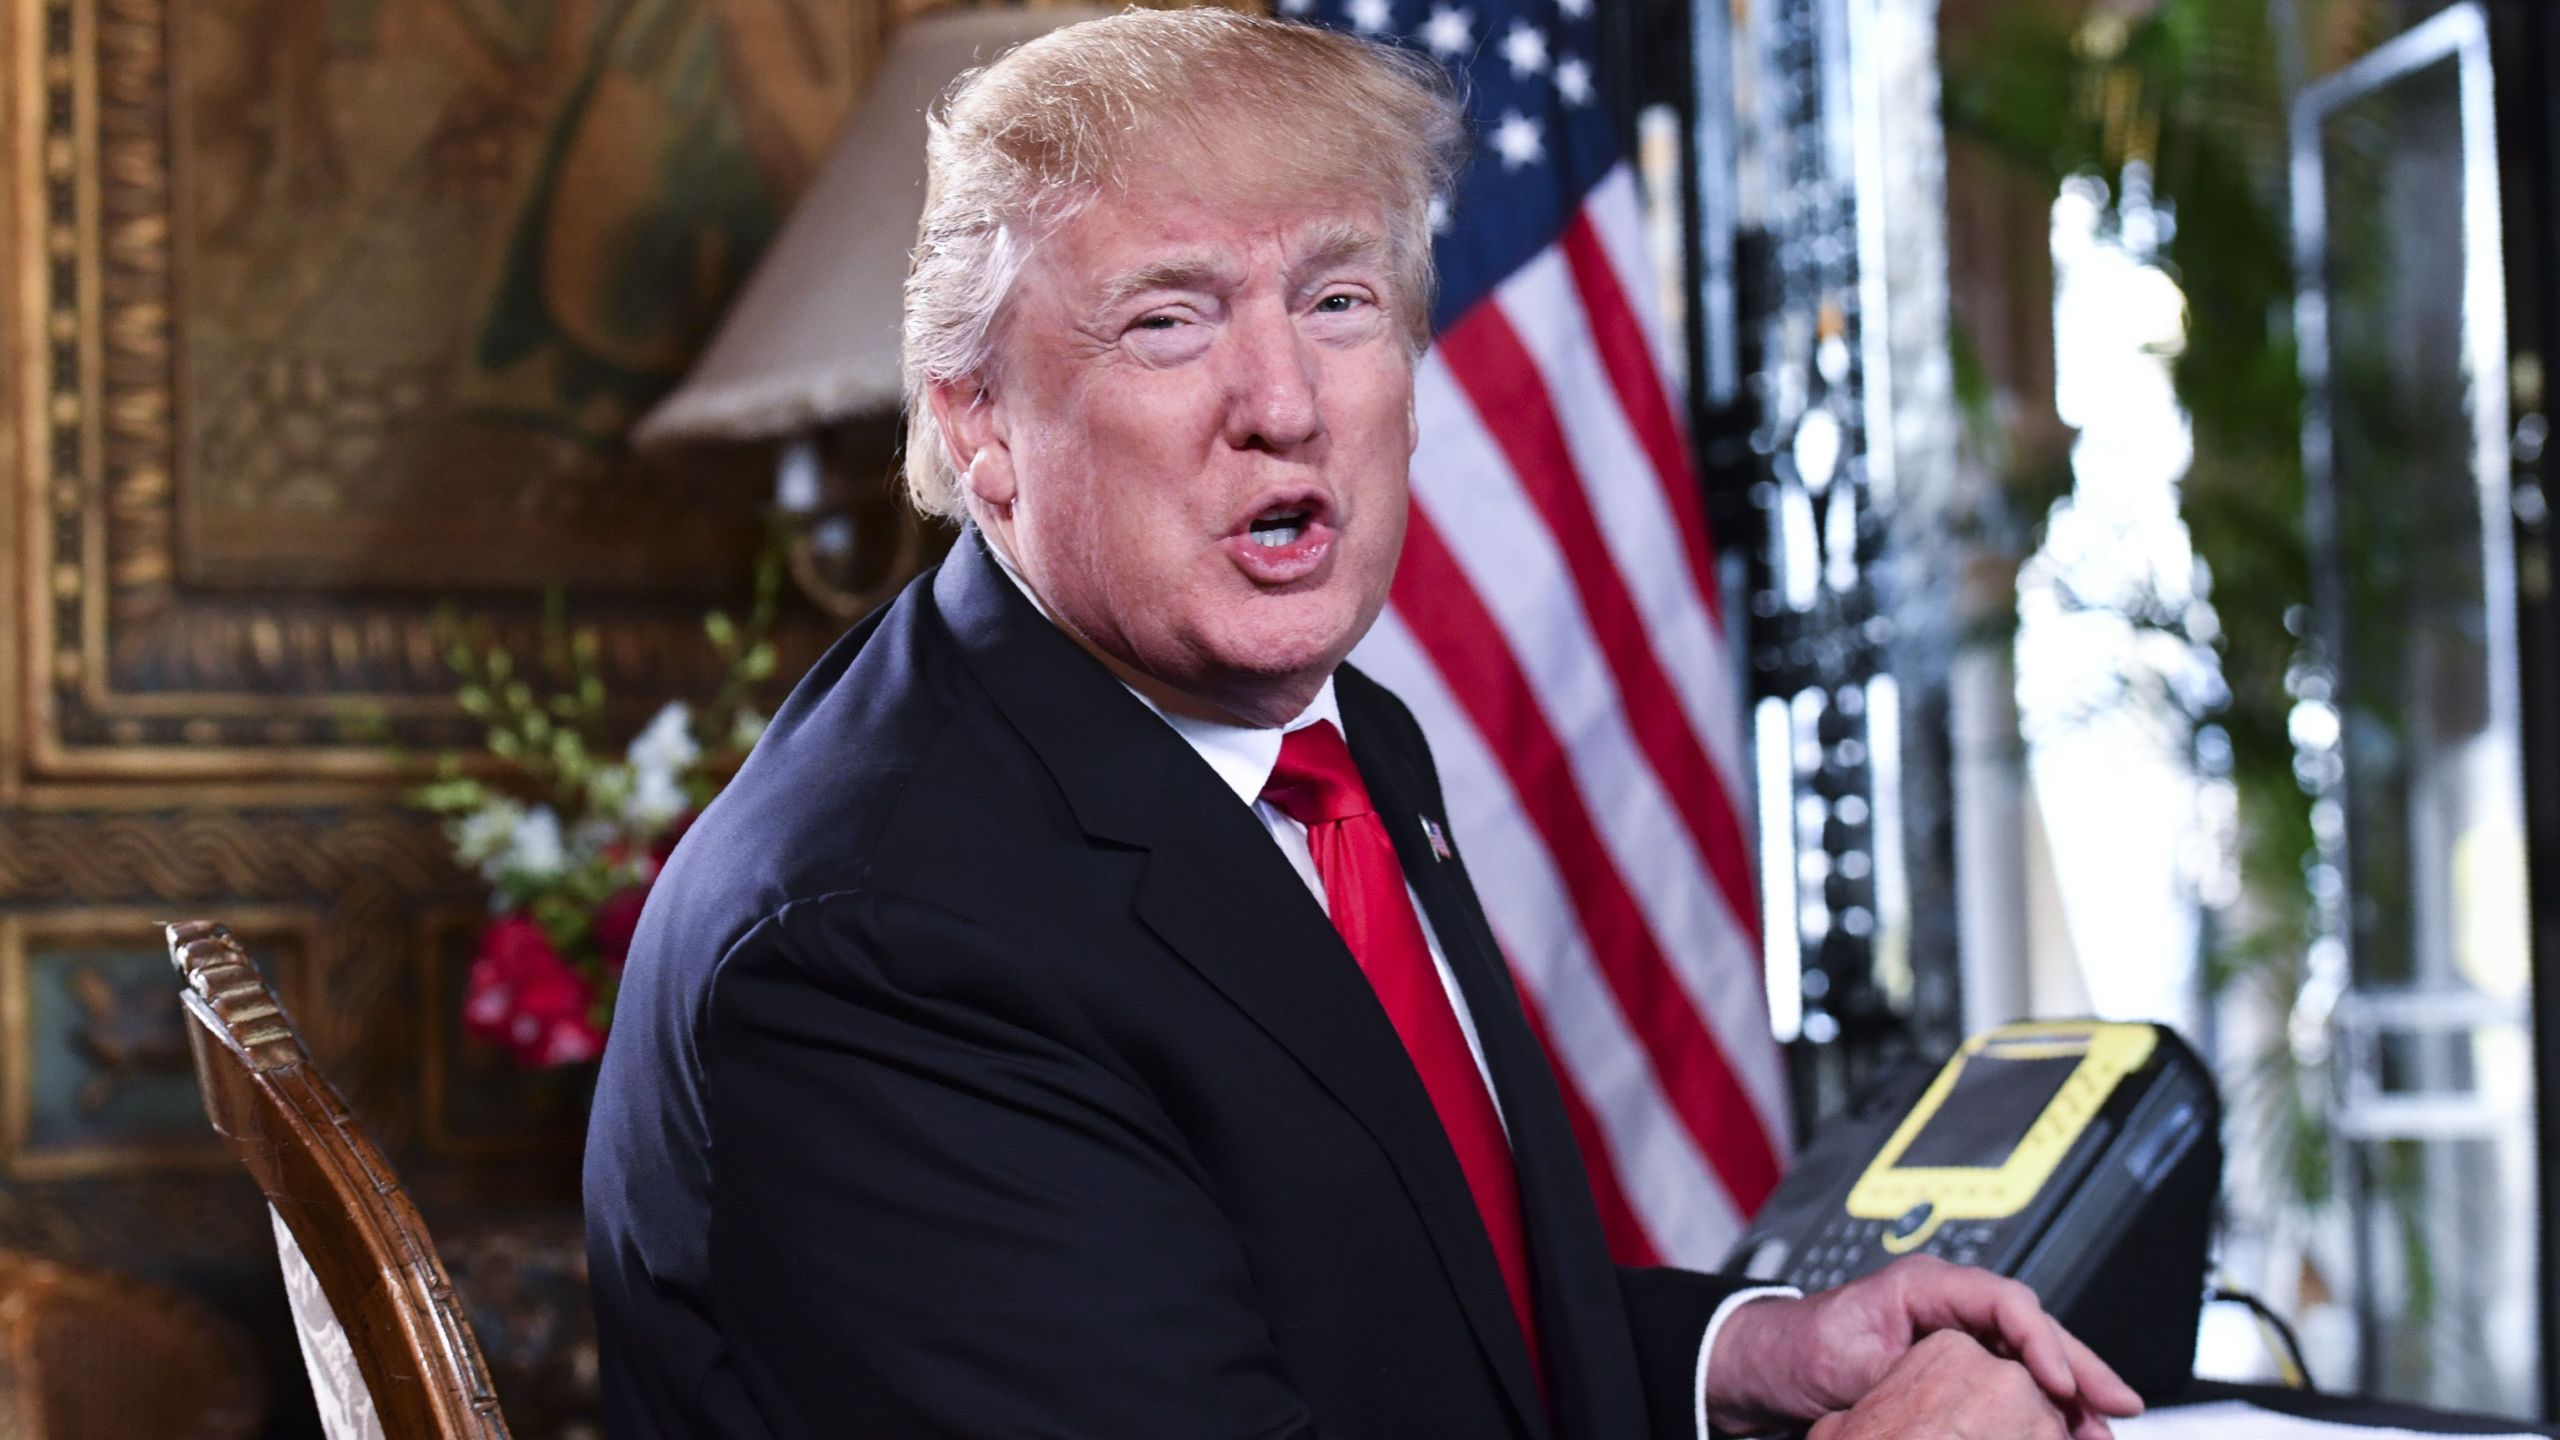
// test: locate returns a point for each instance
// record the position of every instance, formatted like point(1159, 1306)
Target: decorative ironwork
point(1816, 629)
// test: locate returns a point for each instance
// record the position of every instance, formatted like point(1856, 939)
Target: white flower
point(668, 742)
point(655, 799)
point(535, 851)
point(659, 757)
point(483, 837)
point(748, 730)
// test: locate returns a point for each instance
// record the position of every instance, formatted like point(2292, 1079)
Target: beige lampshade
point(813, 334)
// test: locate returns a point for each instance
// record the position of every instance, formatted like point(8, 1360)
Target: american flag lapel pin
point(1438, 837)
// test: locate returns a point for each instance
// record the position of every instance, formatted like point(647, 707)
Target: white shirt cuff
point(1715, 1326)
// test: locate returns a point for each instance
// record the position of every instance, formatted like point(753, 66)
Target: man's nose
point(1272, 402)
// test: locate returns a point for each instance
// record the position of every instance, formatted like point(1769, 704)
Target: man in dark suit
point(1072, 1021)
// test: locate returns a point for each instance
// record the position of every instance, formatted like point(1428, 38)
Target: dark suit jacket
point(982, 1069)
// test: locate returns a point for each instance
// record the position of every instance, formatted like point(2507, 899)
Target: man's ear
point(973, 437)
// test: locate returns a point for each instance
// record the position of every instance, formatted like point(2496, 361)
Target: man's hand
point(1796, 1361)
point(1949, 1386)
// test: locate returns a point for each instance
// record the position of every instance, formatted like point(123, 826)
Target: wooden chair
point(390, 1352)
point(91, 1354)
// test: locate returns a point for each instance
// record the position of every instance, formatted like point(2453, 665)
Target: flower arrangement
point(570, 834)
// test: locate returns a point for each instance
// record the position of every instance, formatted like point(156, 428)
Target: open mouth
point(1280, 525)
point(1289, 539)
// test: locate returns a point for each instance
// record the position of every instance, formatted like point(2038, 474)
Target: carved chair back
point(391, 1354)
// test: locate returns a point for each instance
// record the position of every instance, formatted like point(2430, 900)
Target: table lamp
point(807, 355)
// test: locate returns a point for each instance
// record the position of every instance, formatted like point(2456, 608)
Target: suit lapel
point(1219, 893)
point(1590, 1353)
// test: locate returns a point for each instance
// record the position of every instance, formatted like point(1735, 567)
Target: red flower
point(617, 918)
point(524, 998)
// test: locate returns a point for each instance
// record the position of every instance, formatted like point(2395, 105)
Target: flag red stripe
point(1620, 339)
point(1629, 1242)
point(1484, 355)
point(1449, 621)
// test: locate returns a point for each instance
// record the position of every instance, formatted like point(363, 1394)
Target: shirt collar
point(1242, 755)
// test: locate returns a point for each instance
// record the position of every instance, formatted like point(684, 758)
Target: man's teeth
point(1281, 530)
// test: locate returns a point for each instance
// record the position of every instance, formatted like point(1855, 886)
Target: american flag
point(1554, 626)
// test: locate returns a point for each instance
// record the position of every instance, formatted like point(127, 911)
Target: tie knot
point(1315, 781)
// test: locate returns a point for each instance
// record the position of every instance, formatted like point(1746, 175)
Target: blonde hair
point(1015, 149)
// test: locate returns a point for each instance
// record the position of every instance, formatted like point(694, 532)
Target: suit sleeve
point(1668, 1311)
point(1675, 1315)
point(936, 1213)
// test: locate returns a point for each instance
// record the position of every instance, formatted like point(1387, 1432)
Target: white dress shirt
point(1244, 757)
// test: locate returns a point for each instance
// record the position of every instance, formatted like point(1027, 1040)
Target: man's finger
point(1995, 1309)
point(2088, 1424)
point(1826, 1427)
point(2017, 1394)
point(2005, 1311)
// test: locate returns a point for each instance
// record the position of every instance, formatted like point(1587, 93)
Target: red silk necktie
point(1316, 785)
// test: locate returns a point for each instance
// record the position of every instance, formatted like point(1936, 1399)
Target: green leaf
point(451, 796)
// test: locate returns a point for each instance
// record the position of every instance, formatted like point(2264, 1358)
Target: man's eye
point(1157, 322)
point(1337, 304)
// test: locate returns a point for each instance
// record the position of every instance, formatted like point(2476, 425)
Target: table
point(2356, 1410)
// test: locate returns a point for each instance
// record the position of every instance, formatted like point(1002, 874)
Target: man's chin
point(1270, 683)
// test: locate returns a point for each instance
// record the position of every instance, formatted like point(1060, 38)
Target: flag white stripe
point(1668, 1183)
point(1637, 524)
point(1634, 515)
point(1617, 214)
point(1615, 210)
point(1498, 538)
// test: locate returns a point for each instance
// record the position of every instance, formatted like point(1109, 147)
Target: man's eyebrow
point(1175, 272)
point(1330, 245)
point(1341, 241)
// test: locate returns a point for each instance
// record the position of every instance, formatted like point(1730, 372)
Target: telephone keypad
point(1848, 1248)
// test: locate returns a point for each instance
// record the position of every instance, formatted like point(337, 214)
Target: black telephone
point(2082, 1157)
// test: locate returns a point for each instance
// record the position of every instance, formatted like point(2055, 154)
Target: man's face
point(1195, 439)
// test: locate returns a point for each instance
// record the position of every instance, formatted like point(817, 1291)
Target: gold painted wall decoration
point(320, 323)
point(337, 310)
